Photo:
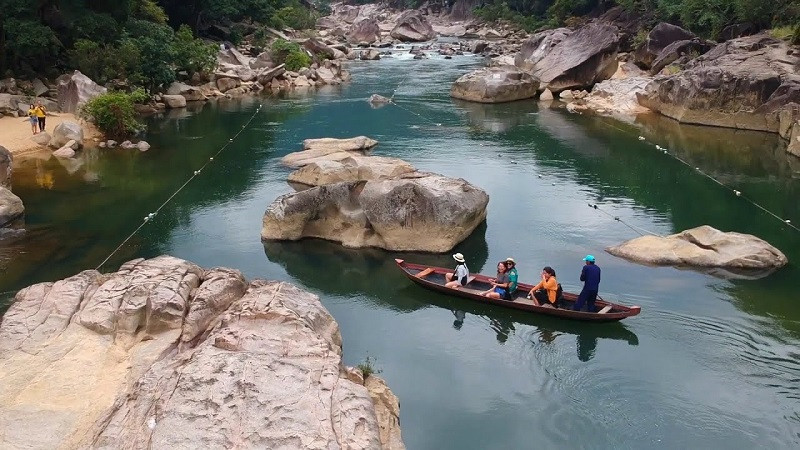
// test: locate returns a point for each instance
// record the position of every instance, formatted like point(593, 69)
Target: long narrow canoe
point(433, 278)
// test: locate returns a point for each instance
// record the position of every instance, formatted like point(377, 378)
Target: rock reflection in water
point(334, 269)
point(497, 118)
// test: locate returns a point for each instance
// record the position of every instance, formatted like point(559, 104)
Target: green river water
point(710, 362)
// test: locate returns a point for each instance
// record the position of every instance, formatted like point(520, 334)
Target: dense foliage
point(131, 39)
point(705, 17)
point(289, 53)
point(113, 113)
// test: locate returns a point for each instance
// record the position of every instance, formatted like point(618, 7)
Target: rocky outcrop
point(703, 247)
point(64, 132)
point(331, 149)
point(365, 31)
point(566, 61)
point(680, 53)
point(325, 170)
point(495, 85)
point(174, 101)
point(412, 26)
point(416, 211)
point(6, 167)
point(616, 97)
point(75, 89)
point(190, 93)
point(657, 40)
point(11, 207)
point(165, 354)
point(746, 83)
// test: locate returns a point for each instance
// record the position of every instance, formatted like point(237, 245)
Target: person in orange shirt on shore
point(546, 292)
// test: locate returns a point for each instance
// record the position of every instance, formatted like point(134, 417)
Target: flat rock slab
point(416, 211)
point(495, 85)
point(314, 149)
point(352, 168)
point(165, 354)
point(703, 247)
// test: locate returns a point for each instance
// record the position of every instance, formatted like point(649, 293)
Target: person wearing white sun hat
point(461, 274)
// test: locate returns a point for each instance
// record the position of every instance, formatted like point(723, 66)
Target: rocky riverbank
point(163, 353)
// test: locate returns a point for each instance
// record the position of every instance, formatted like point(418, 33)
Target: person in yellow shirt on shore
point(41, 115)
point(33, 119)
point(546, 292)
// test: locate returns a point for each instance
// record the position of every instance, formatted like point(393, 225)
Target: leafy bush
point(297, 60)
point(294, 16)
point(193, 55)
point(113, 114)
point(289, 53)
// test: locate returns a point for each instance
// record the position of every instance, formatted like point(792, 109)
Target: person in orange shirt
point(546, 291)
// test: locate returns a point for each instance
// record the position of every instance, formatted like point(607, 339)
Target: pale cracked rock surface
point(703, 247)
point(165, 354)
point(415, 211)
point(330, 149)
point(495, 85)
point(353, 168)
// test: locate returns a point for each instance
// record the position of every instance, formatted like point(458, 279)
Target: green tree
point(113, 113)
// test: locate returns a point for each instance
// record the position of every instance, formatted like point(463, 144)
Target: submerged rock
point(165, 354)
point(703, 247)
point(11, 207)
point(378, 100)
point(415, 211)
point(495, 85)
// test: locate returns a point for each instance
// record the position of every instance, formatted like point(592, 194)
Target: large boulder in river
point(365, 30)
point(576, 60)
point(495, 85)
point(703, 247)
point(75, 89)
point(680, 51)
point(412, 26)
point(328, 148)
point(657, 40)
point(6, 167)
point(745, 83)
point(165, 354)
point(413, 212)
point(11, 208)
point(539, 45)
point(66, 131)
point(352, 168)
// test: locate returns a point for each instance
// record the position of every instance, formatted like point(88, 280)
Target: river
point(710, 362)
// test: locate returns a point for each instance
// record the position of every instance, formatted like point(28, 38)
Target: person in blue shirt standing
point(590, 275)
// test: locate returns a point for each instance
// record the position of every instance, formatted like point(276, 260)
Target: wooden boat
point(433, 278)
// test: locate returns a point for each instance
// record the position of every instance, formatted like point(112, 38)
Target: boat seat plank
point(604, 310)
point(470, 279)
point(424, 273)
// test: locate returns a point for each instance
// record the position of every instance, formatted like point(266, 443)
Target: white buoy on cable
point(641, 138)
point(196, 172)
point(738, 194)
point(788, 221)
point(211, 159)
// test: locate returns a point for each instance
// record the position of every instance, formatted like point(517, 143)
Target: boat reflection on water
point(548, 329)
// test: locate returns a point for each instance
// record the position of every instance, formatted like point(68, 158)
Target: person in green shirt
point(513, 277)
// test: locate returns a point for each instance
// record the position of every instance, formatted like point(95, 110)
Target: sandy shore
point(15, 132)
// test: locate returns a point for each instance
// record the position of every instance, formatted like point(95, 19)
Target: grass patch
point(368, 367)
point(785, 32)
